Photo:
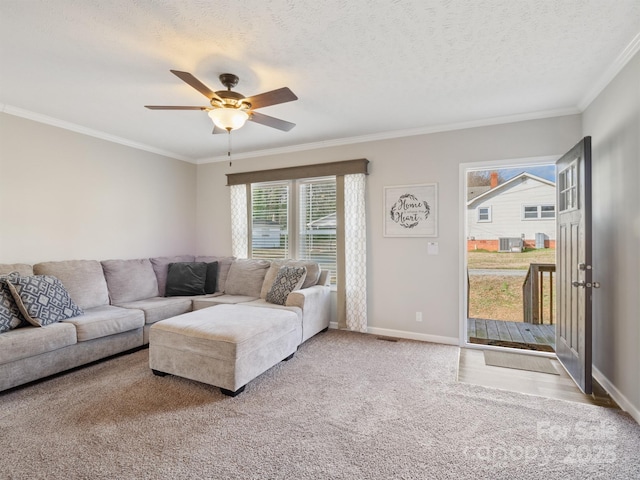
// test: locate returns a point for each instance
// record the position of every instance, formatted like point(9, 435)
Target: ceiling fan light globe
point(228, 118)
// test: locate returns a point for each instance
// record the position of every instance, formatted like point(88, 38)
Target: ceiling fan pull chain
point(229, 148)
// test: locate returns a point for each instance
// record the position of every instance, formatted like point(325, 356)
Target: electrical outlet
point(418, 316)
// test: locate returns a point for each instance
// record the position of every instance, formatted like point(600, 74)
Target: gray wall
point(613, 121)
point(64, 195)
point(402, 278)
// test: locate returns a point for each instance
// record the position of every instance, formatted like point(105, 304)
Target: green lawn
point(500, 297)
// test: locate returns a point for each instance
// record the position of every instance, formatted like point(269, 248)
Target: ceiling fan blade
point(173, 107)
point(195, 83)
point(273, 97)
point(271, 121)
point(217, 130)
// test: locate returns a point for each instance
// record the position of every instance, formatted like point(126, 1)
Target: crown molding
point(395, 134)
point(609, 74)
point(37, 117)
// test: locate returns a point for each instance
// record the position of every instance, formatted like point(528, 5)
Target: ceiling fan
point(230, 110)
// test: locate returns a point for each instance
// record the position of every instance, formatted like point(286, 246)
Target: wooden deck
point(512, 331)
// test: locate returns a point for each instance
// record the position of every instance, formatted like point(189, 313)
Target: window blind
point(317, 239)
point(270, 220)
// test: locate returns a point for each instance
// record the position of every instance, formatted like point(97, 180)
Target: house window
point(547, 211)
point(484, 214)
point(538, 212)
point(295, 219)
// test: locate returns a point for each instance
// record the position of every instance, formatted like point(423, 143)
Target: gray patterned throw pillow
point(10, 316)
point(288, 279)
point(42, 299)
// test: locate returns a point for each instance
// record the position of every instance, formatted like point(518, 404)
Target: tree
point(482, 178)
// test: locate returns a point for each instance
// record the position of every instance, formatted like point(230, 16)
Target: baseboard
point(408, 335)
point(622, 401)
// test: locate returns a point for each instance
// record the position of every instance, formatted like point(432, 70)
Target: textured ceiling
point(359, 68)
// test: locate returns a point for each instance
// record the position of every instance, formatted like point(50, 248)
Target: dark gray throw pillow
point(186, 278)
point(212, 277)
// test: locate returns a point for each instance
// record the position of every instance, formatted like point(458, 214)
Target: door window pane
point(568, 194)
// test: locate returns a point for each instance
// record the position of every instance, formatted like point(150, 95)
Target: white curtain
point(355, 252)
point(239, 223)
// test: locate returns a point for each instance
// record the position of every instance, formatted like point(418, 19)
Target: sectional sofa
point(119, 301)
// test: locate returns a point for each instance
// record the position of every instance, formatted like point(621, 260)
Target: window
point(568, 187)
point(312, 235)
point(308, 211)
point(547, 211)
point(270, 220)
point(484, 214)
point(317, 238)
point(538, 212)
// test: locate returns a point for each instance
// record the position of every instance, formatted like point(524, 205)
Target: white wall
point(613, 122)
point(64, 195)
point(402, 278)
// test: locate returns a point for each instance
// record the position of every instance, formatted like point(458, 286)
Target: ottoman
point(226, 345)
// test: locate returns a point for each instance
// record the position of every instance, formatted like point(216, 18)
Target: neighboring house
point(325, 225)
point(265, 234)
point(518, 213)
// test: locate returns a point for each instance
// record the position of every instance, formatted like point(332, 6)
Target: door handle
point(583, 267)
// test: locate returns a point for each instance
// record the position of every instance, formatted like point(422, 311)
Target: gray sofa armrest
point(315, 303)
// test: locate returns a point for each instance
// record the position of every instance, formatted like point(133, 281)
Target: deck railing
point(536, 309)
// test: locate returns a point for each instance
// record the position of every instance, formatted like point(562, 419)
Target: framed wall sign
point(411, 210)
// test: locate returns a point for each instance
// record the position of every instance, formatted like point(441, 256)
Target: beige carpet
point(347, 406)
point(519, 362)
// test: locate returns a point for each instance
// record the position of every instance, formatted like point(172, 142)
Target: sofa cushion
point(20, 268)
point(161, 265)
point(106, 320)
point(246, 277)
point(83, 279)
point(311, 278)
point(270, 276)
point(313, 271)
point(31, 341)
point(264, 304)
point(289, 278)
point(224, 264)
point(10, 316)
point(225, 299)
point(130, 280)
point(186, 278)
point(159, 308)
point(42, 299)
